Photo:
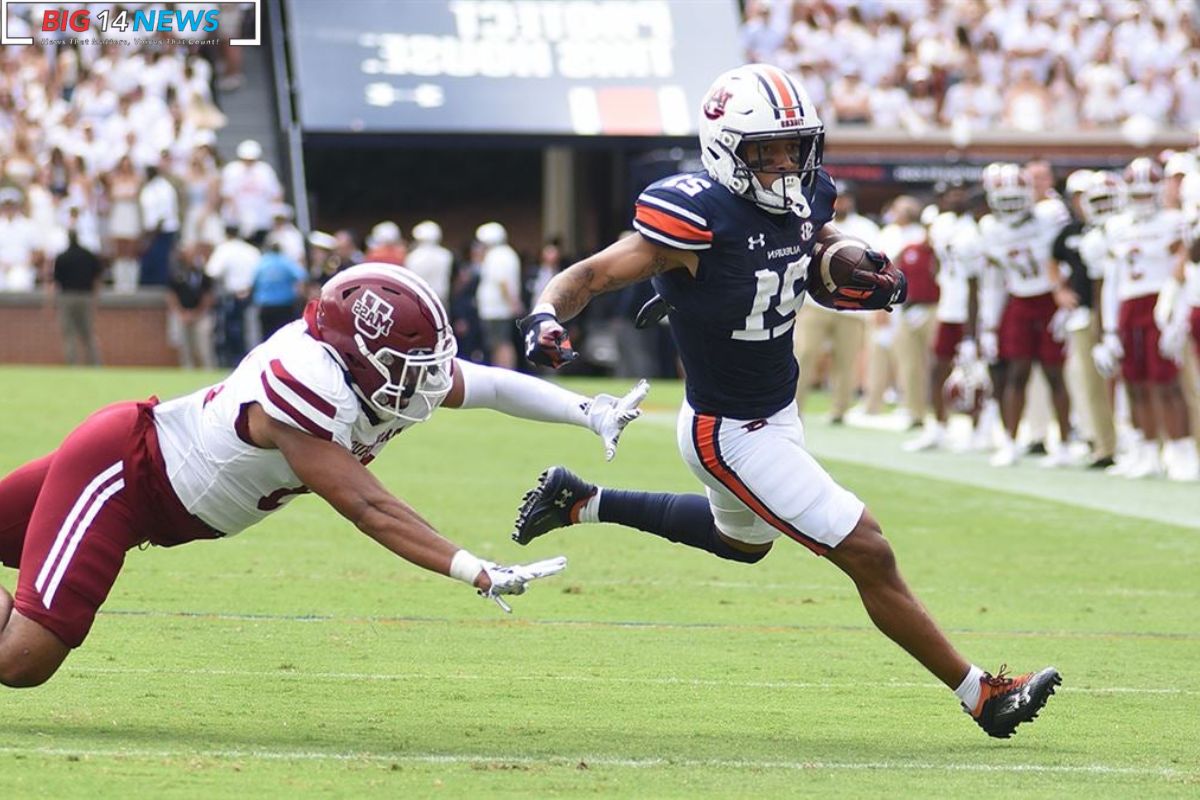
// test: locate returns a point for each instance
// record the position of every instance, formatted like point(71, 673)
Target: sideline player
point(303, 412)
point(1018, 244)
point(729, 250)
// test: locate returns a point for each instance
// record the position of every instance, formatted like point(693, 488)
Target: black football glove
point(873, 289)
point(546, 343)
point(651, 312)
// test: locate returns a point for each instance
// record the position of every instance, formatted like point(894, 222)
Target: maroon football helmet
point(389, 331)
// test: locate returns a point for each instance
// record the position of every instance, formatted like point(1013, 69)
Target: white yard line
point(593, 679)
point(576, 761)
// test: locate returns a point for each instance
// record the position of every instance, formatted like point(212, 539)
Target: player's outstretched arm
point(330, 471)
point(477, 386)
point(624, 262)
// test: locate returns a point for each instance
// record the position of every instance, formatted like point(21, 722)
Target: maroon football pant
point(67, 519)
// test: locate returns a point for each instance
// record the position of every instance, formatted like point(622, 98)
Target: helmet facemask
point(796, 178)
point(414, 383)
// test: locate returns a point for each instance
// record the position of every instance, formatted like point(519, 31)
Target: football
point(833, 265)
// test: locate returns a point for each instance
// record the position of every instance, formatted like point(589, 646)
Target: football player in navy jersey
point(728, 250)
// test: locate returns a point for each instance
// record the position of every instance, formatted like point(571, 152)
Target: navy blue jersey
point(733, 321)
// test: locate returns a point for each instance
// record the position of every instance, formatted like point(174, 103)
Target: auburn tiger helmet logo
point(714, 106)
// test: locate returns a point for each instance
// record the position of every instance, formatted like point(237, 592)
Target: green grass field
point(300, 659)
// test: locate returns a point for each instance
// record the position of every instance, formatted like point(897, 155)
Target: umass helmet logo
point(714, 106)
point(372, 315)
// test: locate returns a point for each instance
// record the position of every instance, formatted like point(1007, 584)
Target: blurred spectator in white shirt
point(890, 106)
point(1187, 93)
point(285, 234)
point(250, 189)
point(498, 297)
point(1063, 97)
point(159, 202)
point(386, 244)
point(1101, 83)
point(430, 260)
point(760, 35)
point(851, 98)
point(972, 100)
point(1150, 96)
point(1026, 103)
point(21, 248)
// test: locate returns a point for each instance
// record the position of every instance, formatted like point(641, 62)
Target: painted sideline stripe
point(574, 761)
point(686, 682)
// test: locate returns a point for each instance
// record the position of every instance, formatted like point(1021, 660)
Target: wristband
point(465, 567)
point(544, 308)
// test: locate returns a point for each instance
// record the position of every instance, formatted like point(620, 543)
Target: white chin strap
point(785, 196)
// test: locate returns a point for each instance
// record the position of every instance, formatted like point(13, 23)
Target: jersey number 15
point(779, 294)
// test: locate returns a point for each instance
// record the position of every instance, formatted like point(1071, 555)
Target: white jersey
point(1140, 250)
point(217, 473)
point(955, 240)
point(1022, 248)
point(1093, 249)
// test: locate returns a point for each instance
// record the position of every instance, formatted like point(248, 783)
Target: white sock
point(590, 511)
point(968, 691)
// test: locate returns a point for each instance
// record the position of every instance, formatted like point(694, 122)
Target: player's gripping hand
point(1107, 355)
point(546, 343)
point(512, 580)
point(1173, 341)
point(608, 415)
point(879, 286)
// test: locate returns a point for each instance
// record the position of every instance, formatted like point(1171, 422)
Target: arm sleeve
point(521, 395)
point(1109, 301)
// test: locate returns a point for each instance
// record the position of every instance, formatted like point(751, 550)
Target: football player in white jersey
point(1018, 244)
point(1146, 246)
point(954, 237)
point(303, 412)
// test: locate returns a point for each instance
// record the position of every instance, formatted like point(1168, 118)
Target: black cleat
point(1102, 463)
point(553, 503)
point(1004, 702)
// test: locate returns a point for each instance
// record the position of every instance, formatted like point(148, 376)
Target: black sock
point(682, 518)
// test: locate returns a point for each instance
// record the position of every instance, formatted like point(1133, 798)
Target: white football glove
point(1172, 342)
point(1058, 325)
point(1107, 355)
point(512, 580)
point(989, 346)
point(608, 416)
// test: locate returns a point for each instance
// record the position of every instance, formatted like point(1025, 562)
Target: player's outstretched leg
point(562, 498)
point(998, 704)
point(554, 503)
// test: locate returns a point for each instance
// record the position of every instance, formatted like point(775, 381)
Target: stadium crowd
point(109, 171)
point(975, 65)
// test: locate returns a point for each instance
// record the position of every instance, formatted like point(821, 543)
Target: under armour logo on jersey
point(756, 241)
point(372, 315)
point(806, 230)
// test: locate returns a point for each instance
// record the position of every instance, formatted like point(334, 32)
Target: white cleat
point(1006, 456)
point(931, 437)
